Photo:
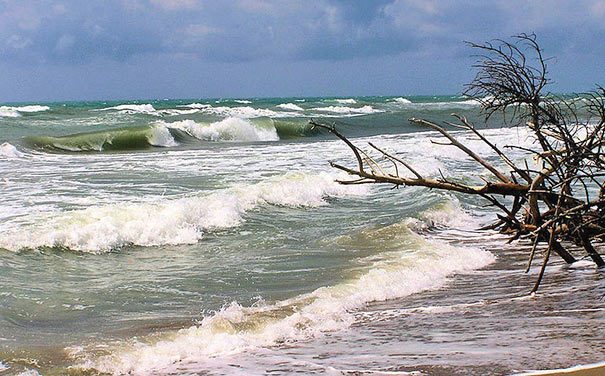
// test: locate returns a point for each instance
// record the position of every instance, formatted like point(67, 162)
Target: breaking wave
point(410, 264)
point(346, 101)
point(171, 221)
point(348, 110)
point(7, 111)
point(290, 107)
point(134, 138)
point(245, 112)
point(171, 134)
point(133, 109)
point(9, 151)
point(229, 129)
point(401, 100)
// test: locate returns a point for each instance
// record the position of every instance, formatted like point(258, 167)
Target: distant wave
point(290, 106)
point(401, 100)
point(348, 110)
point(245, 112)
point(7, 111)
point(133, 108)
point(468, 103)
point(148, 109)
point(171, 221)
point(346, 101)
point(197, 105)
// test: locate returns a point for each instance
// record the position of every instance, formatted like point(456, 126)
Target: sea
point(211, 237)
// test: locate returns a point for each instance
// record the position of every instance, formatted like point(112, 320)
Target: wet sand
point(597, 369)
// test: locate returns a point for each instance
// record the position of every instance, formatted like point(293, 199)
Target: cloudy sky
point(125, 49)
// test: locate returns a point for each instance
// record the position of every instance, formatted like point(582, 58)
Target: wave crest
point(170, 222)
point(229, 129)
point(417, 265)
point(133, 109)
point(9, 151)
point(7, 111)
point(290, 106)
point(367, 109)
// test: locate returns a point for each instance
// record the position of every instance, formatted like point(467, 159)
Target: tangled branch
point(562, 204)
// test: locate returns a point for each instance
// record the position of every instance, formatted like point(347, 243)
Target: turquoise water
point(175, 236)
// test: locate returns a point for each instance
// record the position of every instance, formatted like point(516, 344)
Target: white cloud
point(417, 16)
point(65, 43)
point(199, 30)
point(175, 4)
point(18, 42)
point(261, 6)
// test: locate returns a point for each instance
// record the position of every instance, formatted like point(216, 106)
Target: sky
point(55, 50)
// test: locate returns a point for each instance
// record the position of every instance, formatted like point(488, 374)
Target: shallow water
point(189, 236)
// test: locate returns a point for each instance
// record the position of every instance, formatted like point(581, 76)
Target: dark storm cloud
point(275, 35)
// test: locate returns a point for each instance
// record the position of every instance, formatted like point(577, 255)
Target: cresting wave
point(346, 101)
point(290, 107)
point(132, 108)
point(171, 221)
point(229, 129)
point(170, 134)
point(245, 112)
point(133, 138)
point(7, 111)
point(401, 100)
point(367, 109)
point(9, 151)
point(410, 264)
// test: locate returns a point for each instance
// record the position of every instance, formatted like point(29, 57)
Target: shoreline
point(594, 369)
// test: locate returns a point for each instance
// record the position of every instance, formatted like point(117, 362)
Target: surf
point(408, 263)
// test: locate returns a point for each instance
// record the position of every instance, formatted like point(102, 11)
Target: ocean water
point(209, 237)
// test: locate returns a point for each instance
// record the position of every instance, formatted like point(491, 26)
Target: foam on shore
point(411, 264)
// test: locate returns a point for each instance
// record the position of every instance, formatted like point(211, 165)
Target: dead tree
point(560, 204)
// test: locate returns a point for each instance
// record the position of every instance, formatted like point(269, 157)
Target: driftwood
point(560, 204)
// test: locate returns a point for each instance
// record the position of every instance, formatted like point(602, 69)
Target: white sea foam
point(242, 101)
point(160, 136)
point(229, 129)
point(7, 111)
point(3, 366)
point(450, 104)
point(32, 108)
point(346, 101)
point(450, 214)
point(401, 100)
point(9, 151)
point(170, 221)
point(196, 105)
point(348, 110)
point(133, 109)
point(470, 102)
point(427, 265)
point(290, 106)
point(175, 112)
point(245, 112)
